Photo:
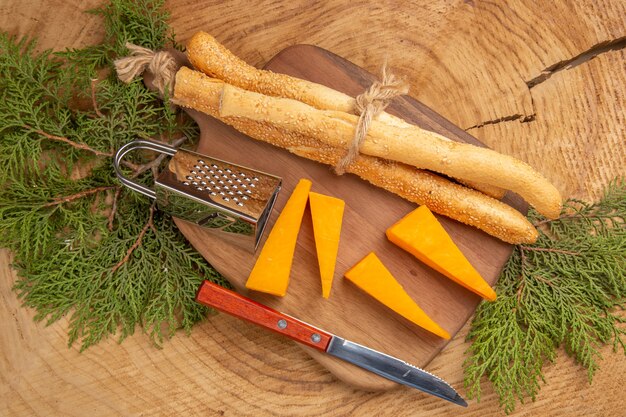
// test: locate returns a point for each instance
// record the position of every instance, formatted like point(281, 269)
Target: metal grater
point(233, 201)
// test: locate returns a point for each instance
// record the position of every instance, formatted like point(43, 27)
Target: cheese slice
point(421, 234)
point(271, 271)
point(327, 215)
point(371, 276)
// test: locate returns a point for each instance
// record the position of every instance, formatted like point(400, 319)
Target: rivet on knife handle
point(213, 295)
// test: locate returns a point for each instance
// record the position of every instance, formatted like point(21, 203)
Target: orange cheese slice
point(421, 234)
point(271, 271)
point(371, 276)
point(327, 215)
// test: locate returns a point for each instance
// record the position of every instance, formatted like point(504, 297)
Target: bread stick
point(214, 59)
point(416, 147)
point(202, 93)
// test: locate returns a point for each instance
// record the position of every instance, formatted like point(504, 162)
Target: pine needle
point(565, 290)
point(85, 247)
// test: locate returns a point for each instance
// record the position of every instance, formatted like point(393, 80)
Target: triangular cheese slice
point(327, 215)
point(421, 234)
point(371, 276)
point(271, 271)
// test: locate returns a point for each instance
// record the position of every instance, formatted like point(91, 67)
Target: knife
point(387, 366)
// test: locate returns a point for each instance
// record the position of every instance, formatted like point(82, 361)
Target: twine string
point(160, 63)
point(369, 105)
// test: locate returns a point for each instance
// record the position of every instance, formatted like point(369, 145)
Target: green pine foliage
point(568, 289)
point(84, 246)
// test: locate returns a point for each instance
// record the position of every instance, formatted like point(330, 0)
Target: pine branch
point(148, 225)
point(553, 250)
point(111, 216)
point(94, 102)
point(561, 291)
point(560, 218)
point(67, 199)
point(109, 263)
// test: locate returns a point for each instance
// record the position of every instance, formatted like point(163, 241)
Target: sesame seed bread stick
point(214, 59)
point(195, 90)
point(416, 147)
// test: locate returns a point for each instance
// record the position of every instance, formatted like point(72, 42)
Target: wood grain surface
point(543, 81)
point(369, 211)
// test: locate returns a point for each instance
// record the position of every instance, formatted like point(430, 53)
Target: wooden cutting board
point(369, 211)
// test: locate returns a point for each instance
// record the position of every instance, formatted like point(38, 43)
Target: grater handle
point(131, 146)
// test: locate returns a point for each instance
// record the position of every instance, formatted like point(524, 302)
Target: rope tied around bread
point(368, 106)
point(161, 64)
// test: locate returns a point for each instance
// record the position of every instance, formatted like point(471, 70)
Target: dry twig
point(113, 209)
point(157, 161)
point(565, 252)
point(149, 225)
point(67, 199)
point(76, 145)
point(94, 103)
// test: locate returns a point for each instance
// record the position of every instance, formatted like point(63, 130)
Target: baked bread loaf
point(212, 58)
point(412, 146)
point(200, 92)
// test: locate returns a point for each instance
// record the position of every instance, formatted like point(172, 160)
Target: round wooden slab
point(369, 211)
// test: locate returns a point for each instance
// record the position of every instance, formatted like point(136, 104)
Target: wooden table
point(543, 81)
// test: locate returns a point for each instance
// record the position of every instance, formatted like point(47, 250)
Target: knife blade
point(387, 366)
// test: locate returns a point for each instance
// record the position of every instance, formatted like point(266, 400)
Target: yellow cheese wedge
point(327, 215)
point(371, 276)
point(421, 234)
point(270, 273)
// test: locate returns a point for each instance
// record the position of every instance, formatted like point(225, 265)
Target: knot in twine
point(160, 63)
point(368, 105)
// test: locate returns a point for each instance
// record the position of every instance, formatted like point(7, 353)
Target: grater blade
point(231, 186)
point(221, 196)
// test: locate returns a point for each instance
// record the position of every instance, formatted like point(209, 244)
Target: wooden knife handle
point(230, 302)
